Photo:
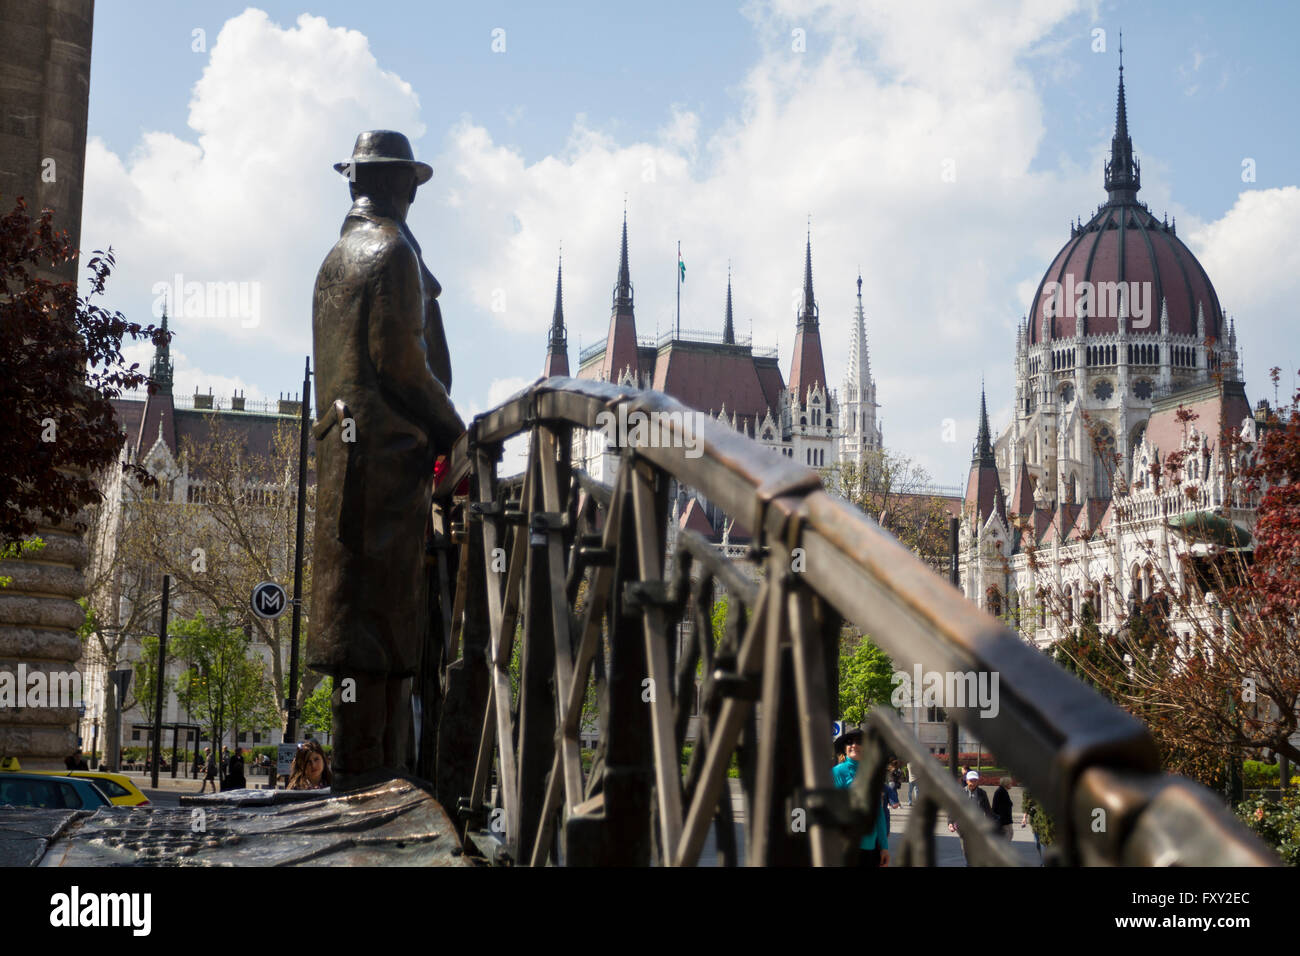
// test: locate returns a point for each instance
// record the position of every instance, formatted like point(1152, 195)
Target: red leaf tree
point(61, 362)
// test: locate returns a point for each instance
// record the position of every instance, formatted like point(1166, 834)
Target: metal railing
point(575, 572)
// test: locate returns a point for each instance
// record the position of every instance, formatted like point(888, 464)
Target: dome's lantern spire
point(1123, 172)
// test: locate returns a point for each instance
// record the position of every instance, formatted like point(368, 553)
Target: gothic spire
point(859, 361)
point(623, 289)
point(807, 370)
point(557, 317)
point(809, 314)
point(1123, 172)
point(161, 368)
point(557, 349)
point(728, 325)
point(983, 452)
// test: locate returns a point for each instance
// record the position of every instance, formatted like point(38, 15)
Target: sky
point(939, 149)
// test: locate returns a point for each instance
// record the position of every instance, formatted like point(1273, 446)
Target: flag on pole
point(682, 266)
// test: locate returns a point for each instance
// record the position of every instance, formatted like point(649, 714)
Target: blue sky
point(216, 164)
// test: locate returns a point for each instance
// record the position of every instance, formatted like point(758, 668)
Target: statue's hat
point(385, 146)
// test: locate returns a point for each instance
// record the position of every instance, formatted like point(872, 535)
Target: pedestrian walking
point(980, 799)
point(1002, 808)
point(210, 771)
point(912, 782)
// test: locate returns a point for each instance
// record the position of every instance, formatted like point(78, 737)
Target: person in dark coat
point(382, 376)
point(1002, 808)
point(980, 799)
point(76, 761)
point(235, 779)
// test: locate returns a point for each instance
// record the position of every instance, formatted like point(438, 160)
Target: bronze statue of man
point(382, 376)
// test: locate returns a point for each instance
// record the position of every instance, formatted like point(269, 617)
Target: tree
point(1210, 660)
point(236, 530)
point(316, 712)
point(223, 685)
point(894, 490)
point(61, 362)
point(866, 677)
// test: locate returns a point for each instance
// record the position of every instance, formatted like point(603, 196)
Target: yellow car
point(116, 786)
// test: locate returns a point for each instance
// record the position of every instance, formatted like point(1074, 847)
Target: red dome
point(1124, 243)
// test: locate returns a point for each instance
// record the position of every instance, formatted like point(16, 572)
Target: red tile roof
point(1214, 412)
point(694, 519)
point(712, 378)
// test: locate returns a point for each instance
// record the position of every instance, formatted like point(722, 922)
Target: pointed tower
point(807, 370)
point(557, 350)
point(158, 421)
point(728, 325)
point(620, 347)
point(983, 489)
point(861, 432)
point(1123, 172)
point(161, 369)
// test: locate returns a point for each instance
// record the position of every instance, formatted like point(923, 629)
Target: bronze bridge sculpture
point(569, 577)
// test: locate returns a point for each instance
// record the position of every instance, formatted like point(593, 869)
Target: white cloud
point(1252, 256)
point(274, 108)
point(855, 131)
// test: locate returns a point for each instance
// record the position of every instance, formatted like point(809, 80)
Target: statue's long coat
point(382, 362)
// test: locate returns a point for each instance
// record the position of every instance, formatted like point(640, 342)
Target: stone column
point(44, 99)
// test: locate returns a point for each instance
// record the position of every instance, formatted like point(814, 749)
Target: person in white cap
point(980, 799)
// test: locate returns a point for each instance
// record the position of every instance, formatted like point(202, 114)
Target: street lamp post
point(291, 702)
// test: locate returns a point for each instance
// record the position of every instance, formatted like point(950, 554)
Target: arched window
point(1069, 605)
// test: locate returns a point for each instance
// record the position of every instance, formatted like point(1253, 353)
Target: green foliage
point(1277, 822)
point(89, 624)
point(1042, 822)
point(15, 550)
point(1257, 775)
point(733, 768)
point(144, 688)
point(316, 712)
point(224, 686)
point(865, 680)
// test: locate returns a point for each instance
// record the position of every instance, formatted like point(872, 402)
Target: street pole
point(291, 702)
point(158, 690)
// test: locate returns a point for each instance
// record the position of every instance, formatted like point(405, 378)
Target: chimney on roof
point(237, 402)
point(202, 401)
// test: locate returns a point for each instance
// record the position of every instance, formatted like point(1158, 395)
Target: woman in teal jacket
point(874, 848)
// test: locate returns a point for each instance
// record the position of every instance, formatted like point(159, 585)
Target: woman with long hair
point(311, 768)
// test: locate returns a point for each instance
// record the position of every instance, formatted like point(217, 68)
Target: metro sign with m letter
point(269, 600)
